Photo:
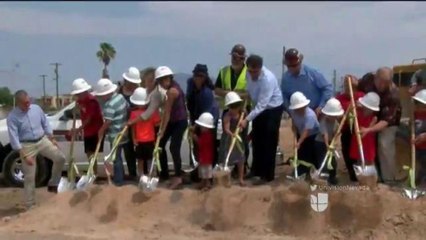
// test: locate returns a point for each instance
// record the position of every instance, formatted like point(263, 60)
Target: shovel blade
point(189, 170)
point(84, 182)
point(315, 174)
point(412, 194)
point(148, 184)
point(64, 185)
point(297, 179)
point(367, 171)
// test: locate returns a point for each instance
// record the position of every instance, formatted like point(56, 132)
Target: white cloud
point(346, 36)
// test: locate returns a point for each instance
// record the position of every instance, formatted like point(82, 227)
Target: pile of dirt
point(267, 212)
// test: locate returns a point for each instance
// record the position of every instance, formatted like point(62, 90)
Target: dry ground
point(280, 210)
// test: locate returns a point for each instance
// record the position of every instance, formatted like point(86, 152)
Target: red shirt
point(346, 102)
point(206, 147)
point(144, 131)
point(368, 141)
point(89, 107)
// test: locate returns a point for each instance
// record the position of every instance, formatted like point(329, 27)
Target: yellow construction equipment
point(402, 77)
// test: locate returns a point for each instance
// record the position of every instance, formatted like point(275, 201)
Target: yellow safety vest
point(225, 76)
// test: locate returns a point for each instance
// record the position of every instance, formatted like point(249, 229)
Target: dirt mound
point(282, 212)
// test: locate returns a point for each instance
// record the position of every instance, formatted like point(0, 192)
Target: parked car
point(61, 122)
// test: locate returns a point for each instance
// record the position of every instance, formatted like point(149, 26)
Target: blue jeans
point(421, 166)
point(118, 178)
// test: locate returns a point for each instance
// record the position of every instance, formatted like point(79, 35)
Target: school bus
point(402, 77)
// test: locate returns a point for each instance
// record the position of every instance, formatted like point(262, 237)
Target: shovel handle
point(357, 131)
point(71, 153)
point(413, 138)
point(117, 141)
point(157, 145)
point(95, 156)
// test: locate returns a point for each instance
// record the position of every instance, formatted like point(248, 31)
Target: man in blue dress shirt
point(307, 80)
point(264, 91)
point(30, 134)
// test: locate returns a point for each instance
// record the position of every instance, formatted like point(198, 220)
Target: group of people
point(154, 107)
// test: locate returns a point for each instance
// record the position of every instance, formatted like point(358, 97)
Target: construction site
point(190, 151)
point(280, 210)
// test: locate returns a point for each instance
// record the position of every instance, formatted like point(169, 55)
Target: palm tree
point(105, 55)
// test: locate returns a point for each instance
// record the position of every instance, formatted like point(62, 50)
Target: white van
point(61, 123)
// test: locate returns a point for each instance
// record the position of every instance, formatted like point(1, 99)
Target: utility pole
point(283, 70)
point(57, 81)
point(44, 88)
point(334, 81)
point(44, 84)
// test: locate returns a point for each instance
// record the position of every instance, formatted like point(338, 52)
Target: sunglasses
point(199, 75)
point(293, 66)
point(237, 56)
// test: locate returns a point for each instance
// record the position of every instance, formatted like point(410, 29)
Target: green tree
point(105, 54)
point(6, 97)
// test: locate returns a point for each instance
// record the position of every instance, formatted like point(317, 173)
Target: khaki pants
point(386, 152)
point(47, 149)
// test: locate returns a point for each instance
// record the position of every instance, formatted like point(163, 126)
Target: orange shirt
point(144, 131)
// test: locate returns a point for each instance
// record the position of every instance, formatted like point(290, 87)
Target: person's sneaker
point(52, 189)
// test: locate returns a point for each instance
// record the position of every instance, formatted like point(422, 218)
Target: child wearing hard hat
point(420, 140)
point(204, 136)
point(143, 132)
point(306, 128)
point(230, 123)
point(369, 107)
point(347, 130)
point(328, 127)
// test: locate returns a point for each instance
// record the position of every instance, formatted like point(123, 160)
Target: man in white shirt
point(264, 91)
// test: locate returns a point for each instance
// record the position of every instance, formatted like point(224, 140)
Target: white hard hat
point(139, 97)
point(205, 120)
point(371, 101)
point(133, 75)
point(162, 72)
point(420, 96)
point(232, 97)
point(333, 108)
point(80, 85)
point(104, 87)
point(298, 100)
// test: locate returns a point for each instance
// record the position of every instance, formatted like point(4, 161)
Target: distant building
point(53, 102)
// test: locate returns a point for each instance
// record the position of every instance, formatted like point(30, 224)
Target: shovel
point(192, 156)
point(225, 171)
point(89, 178)
point(411, 192)
point(191, 146)
point(149, 183)
point(111, 156)
point(361, 171)
point(295, 162)
point(68, 183)
point(331, 151)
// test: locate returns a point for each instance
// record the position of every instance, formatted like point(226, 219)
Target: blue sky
point(350, 37)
